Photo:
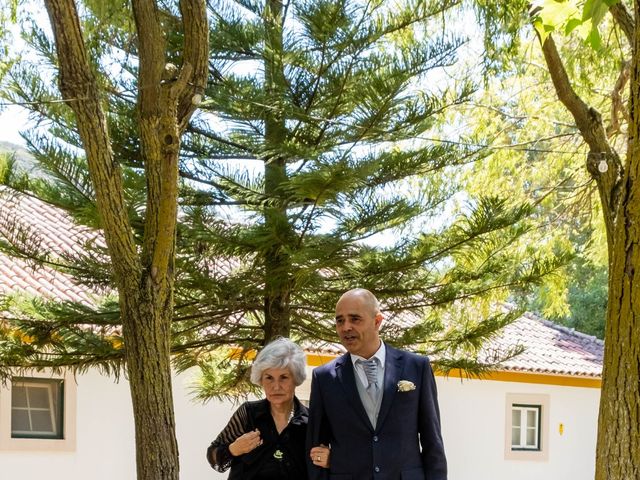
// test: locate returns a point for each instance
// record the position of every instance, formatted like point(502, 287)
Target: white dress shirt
point(380, 355)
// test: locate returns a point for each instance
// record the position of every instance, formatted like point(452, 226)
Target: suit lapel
point(346, 378)
point(393, 368)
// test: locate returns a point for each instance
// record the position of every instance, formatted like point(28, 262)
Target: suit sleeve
point(433, 457)
point(316, 429)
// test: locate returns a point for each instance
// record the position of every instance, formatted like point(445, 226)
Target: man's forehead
point(348, 314)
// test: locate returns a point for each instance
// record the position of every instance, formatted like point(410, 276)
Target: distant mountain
point(24, 159)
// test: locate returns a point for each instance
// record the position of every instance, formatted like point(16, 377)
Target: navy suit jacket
point(406, 443)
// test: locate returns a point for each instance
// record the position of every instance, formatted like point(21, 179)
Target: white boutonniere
point(406, 386)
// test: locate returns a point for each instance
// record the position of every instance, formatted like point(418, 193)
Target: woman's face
point(278, 385)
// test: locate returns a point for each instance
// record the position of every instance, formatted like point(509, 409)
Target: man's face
point(357, 324)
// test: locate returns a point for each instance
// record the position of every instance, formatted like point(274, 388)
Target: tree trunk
point(618, 448)
point(277, 261)
point(144, 281)
point(147, 334)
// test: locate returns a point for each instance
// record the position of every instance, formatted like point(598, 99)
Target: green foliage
point(585, 289)
point(8, 19)
point(539, 155)
point(500, 24)
point(587, 295)
point(307, 172)
point(567, 16)
point(224, 374)
point(85, 337)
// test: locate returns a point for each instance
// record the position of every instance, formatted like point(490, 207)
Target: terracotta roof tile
point(57, 233)
point(550, 348)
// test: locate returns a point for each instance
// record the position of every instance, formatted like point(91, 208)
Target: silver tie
point(371, 371)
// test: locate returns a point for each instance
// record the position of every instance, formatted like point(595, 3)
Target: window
point(526, 427)
point(37, 408)
point(38, 412)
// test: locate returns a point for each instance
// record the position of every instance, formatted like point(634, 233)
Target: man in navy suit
point(375, 406)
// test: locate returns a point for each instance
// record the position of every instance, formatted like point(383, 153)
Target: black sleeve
point(317, 429)
point(218, 453)
point(433, 455)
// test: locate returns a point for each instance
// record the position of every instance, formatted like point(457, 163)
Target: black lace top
point(281, 455)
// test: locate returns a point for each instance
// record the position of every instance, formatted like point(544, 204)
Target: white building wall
point(473, 423)
point(473, 414)
point(104, 439)
point(105, 436)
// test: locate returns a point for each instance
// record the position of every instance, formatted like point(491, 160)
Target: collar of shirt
point(381, 355)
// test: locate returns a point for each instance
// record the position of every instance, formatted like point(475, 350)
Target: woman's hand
point(320, 456)
point(245, 443)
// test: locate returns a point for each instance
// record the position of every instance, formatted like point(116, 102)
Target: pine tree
point(331, 102)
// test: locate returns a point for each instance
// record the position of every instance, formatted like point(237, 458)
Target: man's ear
point(378, 320)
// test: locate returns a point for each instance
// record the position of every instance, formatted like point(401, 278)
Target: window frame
point(55, 399)
point(527, 402)
point(524, 410)
point(68, 421)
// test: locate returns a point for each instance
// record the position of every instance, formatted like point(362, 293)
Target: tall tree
point(613, 162)
point(144, 278)
point(330, 101)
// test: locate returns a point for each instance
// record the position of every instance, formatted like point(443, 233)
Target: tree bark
point(79, 88)
point(618, 447)
point(144, 282)
point(589, 122)
point(624, 19)
point(277, 260)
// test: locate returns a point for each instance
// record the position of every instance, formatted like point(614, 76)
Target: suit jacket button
point(375, 438)
point(377, 469)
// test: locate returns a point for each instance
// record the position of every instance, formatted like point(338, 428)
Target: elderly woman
point(265, 439)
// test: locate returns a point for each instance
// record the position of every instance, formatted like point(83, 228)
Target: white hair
point(280, 353)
